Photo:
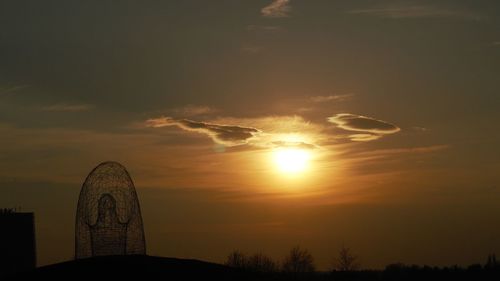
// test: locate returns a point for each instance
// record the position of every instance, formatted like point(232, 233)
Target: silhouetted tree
point(298, 261)
point(492, 262)
point(476, 267)
point(7, 211)
point(395, 267)
point(346, 261)
point(236, 259)
point(257, 262)
point(261, 263)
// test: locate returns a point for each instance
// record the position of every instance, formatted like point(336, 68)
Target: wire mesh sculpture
point(108, 216)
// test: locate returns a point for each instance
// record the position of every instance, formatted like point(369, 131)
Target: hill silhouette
point(154, 268)
point(139, 266)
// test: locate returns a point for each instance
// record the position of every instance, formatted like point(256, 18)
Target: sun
point(291, 160)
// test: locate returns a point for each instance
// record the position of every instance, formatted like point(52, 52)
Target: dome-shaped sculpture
point(108, 216)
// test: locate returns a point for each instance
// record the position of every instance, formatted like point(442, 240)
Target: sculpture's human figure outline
point(108, 217)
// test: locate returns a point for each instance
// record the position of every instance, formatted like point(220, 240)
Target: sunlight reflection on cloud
point(369, 128)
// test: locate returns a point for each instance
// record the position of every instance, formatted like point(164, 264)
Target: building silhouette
point(17, 241)
point(108, 216)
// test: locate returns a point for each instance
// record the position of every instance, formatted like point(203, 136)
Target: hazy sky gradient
point(398, 101)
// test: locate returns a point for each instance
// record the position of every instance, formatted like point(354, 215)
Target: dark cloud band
point(368, 128)
point(224, 134)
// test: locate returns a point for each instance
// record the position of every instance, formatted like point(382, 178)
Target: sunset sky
point(260, 125)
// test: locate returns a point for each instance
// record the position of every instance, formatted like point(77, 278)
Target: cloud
point(193, 110)
point(280, 128)
point(264, 28)
point(285, 144)
point(364, 137)
point(66, 107)
point(368, 128)
point(223, 134)
point(320, 99)
point(277, 9)
point(421, 149)
point(258, 133)
point(269, 132)
point(418, 11)
point(359, 123)
point(384, 153)
point(419, 129)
